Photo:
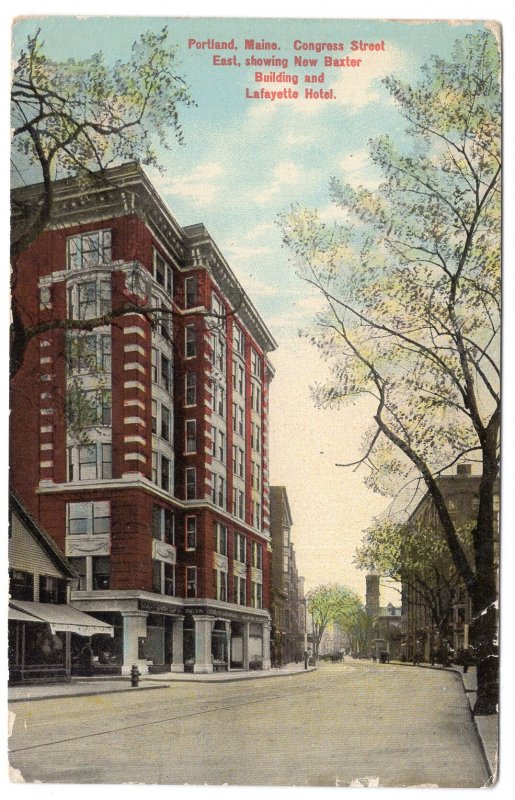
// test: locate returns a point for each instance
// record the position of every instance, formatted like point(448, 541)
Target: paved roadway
point(349, 724)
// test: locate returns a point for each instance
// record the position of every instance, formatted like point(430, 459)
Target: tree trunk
point(484, 596)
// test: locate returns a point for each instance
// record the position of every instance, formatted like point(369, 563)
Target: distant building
point(288, 613)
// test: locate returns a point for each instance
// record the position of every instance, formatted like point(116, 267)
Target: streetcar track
point(140, 724)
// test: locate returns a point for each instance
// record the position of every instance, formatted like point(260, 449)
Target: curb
point(91, 693)
point(245, 677)
point(489, 768)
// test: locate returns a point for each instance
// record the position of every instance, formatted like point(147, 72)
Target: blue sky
point(244, 162)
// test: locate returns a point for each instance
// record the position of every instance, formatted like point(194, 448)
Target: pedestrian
point(86, 659)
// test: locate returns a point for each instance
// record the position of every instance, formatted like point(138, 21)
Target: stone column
point(266, 645)
point(245, 643)
point(203, 628)
point(228, 638)
point(134, 627)
point(177, 664)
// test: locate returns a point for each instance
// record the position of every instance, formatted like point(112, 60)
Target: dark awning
point(63, 618)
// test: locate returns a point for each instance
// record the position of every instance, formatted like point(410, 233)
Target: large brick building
point(141, 445)
point(445, 638)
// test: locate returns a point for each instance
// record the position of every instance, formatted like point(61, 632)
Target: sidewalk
point(487, 726)
point(101, 685)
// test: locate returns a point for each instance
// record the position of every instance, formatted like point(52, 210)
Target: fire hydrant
point(135, 675)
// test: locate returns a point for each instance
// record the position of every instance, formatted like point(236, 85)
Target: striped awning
point(60, 617)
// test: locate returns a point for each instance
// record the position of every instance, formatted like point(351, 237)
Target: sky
point(244, 162)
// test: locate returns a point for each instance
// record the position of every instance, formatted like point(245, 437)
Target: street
point(378, 724)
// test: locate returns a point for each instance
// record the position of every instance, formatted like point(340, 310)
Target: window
point(165, 423)
point(221, 446)
point(191, 483)
point(257, 555)
point(240, 548)
point(190, 291)
point(190, 341)
point(156, 576)
point(90, 461)
point(191, 533)
point(220, 581)
point(255, 437)
point(169, 587)
point(221, 492)
point(79, 565)
point(240, 590)
point(255, 397)
point(154, 466)
point(286, 563)
point(255, 364)
point(52, 589)
point(154, 416)
point(89, 249)
point(239, 341)
point(21, 585)
point(45, 298)
point(241, 504)
point(256, 594)
point(163, 578)
point(165, 473)
point(89, 353)
point(221, 401)
point(256, 514)
point(191, 581)
point(166, 374)
point(241, 463)
point(219, 312)
point(89, 518)
point(163, 528)
point(163, 273)
point(94, 299)
point(218, 490)
point(220, 538)
point(190, 398)
point(101, 569)
point(191, 436)
point(153, 371)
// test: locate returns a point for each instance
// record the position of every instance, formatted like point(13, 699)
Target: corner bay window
point(90, 461)
point(89, 249)
point(89, 518)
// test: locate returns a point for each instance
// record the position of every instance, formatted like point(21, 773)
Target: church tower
point(372, 606)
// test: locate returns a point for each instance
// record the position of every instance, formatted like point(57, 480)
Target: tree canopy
point(328, 604)
point(411, 290)
point(75, 117)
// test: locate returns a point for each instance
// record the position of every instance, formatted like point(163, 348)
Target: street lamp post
point(305, 601)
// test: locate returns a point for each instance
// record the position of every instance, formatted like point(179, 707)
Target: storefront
point(40, 639)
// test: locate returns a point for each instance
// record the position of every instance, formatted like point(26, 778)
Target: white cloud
point(240, 252)
point(201, 186)
point(358, 86)
point(285, 173)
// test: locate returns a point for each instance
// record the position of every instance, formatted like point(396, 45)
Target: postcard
point(255, 402)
